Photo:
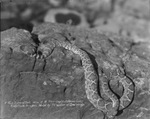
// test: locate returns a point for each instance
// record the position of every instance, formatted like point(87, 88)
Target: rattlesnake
point(91, 78)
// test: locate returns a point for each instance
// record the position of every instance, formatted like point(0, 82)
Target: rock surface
point(54, 87)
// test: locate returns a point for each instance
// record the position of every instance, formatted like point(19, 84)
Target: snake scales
point(91, 78)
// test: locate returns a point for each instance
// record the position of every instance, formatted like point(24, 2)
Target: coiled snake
point(91, 79)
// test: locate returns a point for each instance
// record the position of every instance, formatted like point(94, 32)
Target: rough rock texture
point(53, 88)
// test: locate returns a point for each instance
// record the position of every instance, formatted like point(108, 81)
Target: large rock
point(54, 87)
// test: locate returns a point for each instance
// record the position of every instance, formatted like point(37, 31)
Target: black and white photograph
point(74, 59)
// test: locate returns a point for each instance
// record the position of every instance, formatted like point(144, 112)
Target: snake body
point(128, 94)
point(91, 78)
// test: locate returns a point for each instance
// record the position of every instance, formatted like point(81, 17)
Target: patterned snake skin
point(110, 108)
point(128, 94)
point(91, 79)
